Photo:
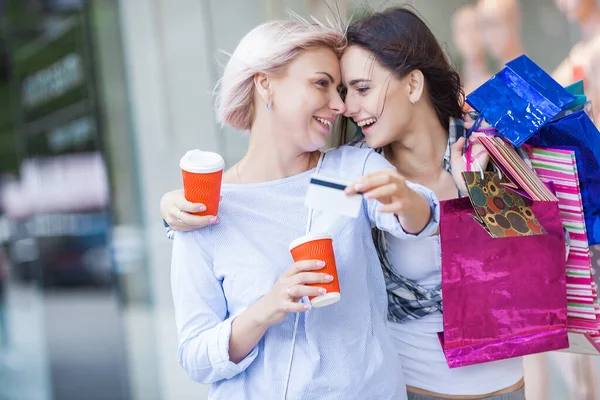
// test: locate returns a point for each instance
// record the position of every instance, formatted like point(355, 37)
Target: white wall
point(169, 51)
point(166, 60)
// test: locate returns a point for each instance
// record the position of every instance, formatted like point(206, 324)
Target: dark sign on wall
point(55, 92)
point(63, 176)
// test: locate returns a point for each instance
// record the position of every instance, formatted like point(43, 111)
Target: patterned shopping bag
point(501, 212)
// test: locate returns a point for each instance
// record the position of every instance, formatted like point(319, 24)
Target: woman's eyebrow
point(357, 81)
point(328, 75)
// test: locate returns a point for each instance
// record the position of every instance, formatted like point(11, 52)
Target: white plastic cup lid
point(201, 162)
point(326, 299)
point(308, 238)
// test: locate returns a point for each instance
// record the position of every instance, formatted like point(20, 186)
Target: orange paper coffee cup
point(319, 247)
point(202, 172)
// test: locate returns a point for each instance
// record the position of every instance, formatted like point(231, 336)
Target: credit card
point(327, 194)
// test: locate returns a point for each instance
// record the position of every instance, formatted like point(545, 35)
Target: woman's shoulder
point(200, 241)
point(356, 151)
point(348, 161)
point(359, 142)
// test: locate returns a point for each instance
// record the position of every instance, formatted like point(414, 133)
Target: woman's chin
point(317, 144)
point(374, 142)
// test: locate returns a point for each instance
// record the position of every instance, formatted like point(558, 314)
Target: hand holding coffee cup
point(179, 213)
point(202, 172)
point(302, 279)
point(319, 247)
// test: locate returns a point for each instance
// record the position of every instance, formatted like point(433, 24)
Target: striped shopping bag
point(583, 311)
point(522, 179)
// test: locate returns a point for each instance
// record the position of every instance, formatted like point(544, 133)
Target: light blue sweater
point(342, 351)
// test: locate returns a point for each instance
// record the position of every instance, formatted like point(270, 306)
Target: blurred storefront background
point(98, 101)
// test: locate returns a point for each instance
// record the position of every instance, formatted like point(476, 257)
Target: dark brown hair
point(401, 42)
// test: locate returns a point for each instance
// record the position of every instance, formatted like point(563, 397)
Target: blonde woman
point(242, 322)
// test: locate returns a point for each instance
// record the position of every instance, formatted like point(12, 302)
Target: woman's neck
point(270, 157)
point(418, 153)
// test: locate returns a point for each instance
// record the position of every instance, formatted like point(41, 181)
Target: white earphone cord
point(291, 358)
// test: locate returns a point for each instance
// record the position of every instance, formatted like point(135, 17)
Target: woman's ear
point(416, 85)
point(262, 86)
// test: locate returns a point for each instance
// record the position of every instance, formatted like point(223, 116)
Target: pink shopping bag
point(503, 297)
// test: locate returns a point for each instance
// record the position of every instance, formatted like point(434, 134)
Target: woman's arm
point(250, 326)
point(203, 324)
point(405, 209)
point(214, 345)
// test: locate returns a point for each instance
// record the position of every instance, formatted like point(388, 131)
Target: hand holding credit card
point(386, 186)
point(390, 189)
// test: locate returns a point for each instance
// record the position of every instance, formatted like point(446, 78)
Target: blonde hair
point(267, 49)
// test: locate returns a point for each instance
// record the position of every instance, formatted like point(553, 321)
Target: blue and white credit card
point(327, 194)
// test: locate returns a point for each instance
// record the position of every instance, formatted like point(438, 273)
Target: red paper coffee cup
point(202, 172)
point(319, 247)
